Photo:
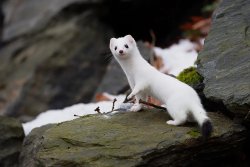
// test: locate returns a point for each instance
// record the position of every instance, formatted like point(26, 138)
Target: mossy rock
point(190, 76)
point(131, 139)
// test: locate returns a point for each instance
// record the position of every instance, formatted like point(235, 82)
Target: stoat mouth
point(122, 54)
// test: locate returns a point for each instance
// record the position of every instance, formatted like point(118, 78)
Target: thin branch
point(106, 113)
point(113, 104)
point(98, 110)
point(76, 115)
point(152, 105)
point(126, 100)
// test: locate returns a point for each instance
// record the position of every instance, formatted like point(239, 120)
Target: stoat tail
point(200, 116)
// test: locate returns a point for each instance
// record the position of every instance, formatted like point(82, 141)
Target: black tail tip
point(206, 129)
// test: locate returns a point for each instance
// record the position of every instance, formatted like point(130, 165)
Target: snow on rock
point(69, 113)
point(177, 57)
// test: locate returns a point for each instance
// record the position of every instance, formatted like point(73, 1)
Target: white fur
point(180, 99)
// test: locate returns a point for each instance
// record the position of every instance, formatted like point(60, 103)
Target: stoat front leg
point(138, 93)
point(138, 88)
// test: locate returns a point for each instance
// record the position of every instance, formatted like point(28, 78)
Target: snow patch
point(177, 57)
point(67, 114)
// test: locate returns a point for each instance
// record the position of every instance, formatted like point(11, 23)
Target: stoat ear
point(130, 38)
point(111, 43)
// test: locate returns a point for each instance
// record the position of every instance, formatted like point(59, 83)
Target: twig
point(126, 100)
point(152, 105)
point(113, 104)
point(76, 115)
point(106, 113)
point(98, 110)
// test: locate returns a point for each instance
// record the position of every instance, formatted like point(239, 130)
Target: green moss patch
point(190, 76)
point(194, 133)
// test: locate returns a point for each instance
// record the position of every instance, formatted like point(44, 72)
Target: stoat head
point(123, 47)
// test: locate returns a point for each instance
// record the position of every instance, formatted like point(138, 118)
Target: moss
point(194, 133)
point(190, 76)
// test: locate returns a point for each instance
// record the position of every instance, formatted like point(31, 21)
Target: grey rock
point(136, 139)
point(31, 144)
point(57, 67)
point(11, 138)
point(24, 17)
point(225, 62)
point(114, 79)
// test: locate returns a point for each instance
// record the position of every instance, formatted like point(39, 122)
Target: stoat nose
point(121, 51)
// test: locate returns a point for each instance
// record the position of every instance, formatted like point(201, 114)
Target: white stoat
point(180, 99)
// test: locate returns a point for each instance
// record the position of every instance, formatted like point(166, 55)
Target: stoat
point(180, 99)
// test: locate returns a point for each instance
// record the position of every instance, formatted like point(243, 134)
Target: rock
point(115, 81)
point(136, 139)
point(225, 62)
point(32, 143)
point(191, 77)
point(57, 67)
point(25, 17)
point(11, 138)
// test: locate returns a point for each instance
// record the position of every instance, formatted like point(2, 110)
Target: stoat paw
point(175, 122)
point(130, 96)
point(171, 122)
point(136, 107)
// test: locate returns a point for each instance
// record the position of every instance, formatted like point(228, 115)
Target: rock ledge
point(134, 139)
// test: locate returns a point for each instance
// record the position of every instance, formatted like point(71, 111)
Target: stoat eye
point(126, 46)
point(115, 47)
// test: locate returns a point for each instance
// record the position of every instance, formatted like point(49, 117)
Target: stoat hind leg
point(179, 115)
point(175, 122)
